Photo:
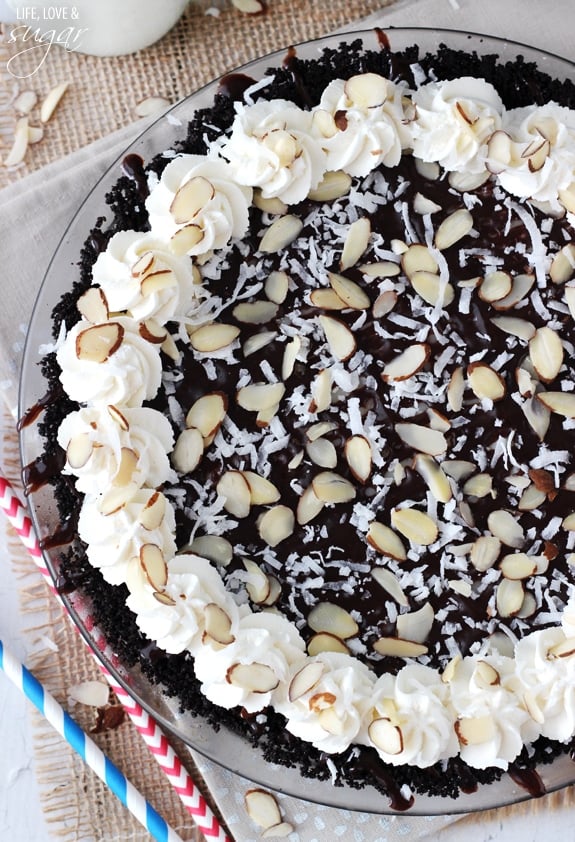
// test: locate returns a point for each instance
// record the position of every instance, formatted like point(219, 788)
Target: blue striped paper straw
point(93, 756)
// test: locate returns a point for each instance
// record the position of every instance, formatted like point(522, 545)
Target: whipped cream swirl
point(272, 147)
point(109, 442)
point(198, 206)
point(453, 122)
point(129, 374)
point(141, 276)
point(358, 134)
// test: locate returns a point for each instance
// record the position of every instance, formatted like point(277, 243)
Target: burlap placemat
point(103, 92)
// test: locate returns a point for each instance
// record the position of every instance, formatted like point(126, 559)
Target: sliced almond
point(186, 239)
point(475, 730)
point(322, 453)
point(126, 467)
point(322, 428)
point(485, 382)
point(563, 264)
point(546, 353)
point(509, 599)
point(382, 269)
point(366, 90)
point(485, 675)
point(213, 547)
point(538, 416)
point(520, 288)
point(332, 618)
point(321, 391)
point(280, 234)
point(255, 312)
point(421, 438)
point(334, 185)
point(262, 807)
point(416, 625)
point(330, 487)
point(518, 566)
point(272, 205)
point(188, 451)
point(207, 413)
point(563, 649)
point(309, 506)
point(386, 541)
point(395, 647)
point(152, 331)
point(118, 417)
point(453, 228)
point(386, 736)
point(98, 343)
point(25, 102)
point(154, 511)
point(478, 486)
point(254, 677)
point(51, 101)
point(154, 282)
point(325, 642)
point(234, 488)
point(406, 364)
point(305, 680)
point(495, 286)
point(79, 451)
point(356, 243)
point(485, 552)
point(163, 598)
point(262, 491)
point(283, 829)
point(257, 341)
point(569, 522)
point(458, 469)
point(321, 701)
point(433, 474)
point(258, 583)
point(520, 328)
point(326, 299)
point(465, 182)
point(418, 258)
point(276, 287)
point(275, 525)
point(390, 583)
point(213, 337)
point(191, 198)
point(350, 293)
point(567, 197)
point(456, 389)
point(418, 527)
point(154, 566)
point(384, 303)
point(258, 396)
point(423, 205)
point(151, 105)
point(35, 134)
point(339, 337)
point(428, 169)
point(93, 306)
point(217, 625)
point(506, 527)
point(357, 453)
point(562, 403)
point(432, 289)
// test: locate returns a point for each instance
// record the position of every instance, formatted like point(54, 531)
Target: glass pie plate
point(224, 746)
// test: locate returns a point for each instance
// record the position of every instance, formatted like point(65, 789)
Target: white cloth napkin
point(35, 212)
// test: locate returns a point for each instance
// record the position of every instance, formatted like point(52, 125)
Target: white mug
point(95, 27)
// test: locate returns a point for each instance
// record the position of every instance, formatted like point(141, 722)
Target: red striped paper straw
point(153, 736)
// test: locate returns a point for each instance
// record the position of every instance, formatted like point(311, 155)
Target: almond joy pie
point(310, 418)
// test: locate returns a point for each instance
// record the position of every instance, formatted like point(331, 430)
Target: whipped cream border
point(420, 715)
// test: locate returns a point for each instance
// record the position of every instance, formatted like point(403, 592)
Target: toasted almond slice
point(213, 337)
point(386, 541)
point(433, 474)
point(562, 403)
point(191, 198)
point(280, 234)
point(356, 243)
point(386, 736)
point(330, 487)
point(126, 468)
point(309, 506)
point(339, 337)
point(257, 396)
point(305, 680)
point(495, 286)
point(563, 264)
point(326, 299)
point(383, 269)
point(275, 525)
point(390, 583)
point(485, 382)
point(255, 312)
point(520, 328)
point(321, 391)
point(207, 413)
point(357, 451)
point(506, 527)
point(51, 101)
point(479, 485)
point(322, 453)
point(325, 642)
point(350, 293)
point(213, 547)
point(272, 205)
point(395, 647)
point(406, 364)
point(518, 566)
point(79, 451)
point(546, 353)
point(485, 552)
point(99, 342)
point(509, 599)
point(93, 306)
point(432, 289)
point(262, 491)
point(321, 701)
point(154, 566)
point(453, 228)
point(234, 488)
point(188, 451)
point(332, 618)
point(520, 288)
point(283, 829)
point(422, 438)
point(258, 584)
point(416, 625)
point(254, 677)
point(334, 185)
point(472, 731)
point(257, 341)
point(218, 624)
point(418, 258)
point(418, 527)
